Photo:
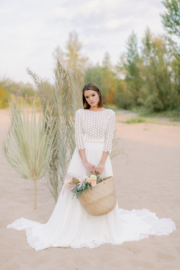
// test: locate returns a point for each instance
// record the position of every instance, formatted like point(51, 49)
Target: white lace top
point(91, 126)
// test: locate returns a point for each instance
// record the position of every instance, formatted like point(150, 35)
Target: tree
point(171, 17)
point(107, 60)
point(171, 22)
point(105, 79)
point(130, 65)
point(109, 80)
point(72, 57)
point(157, 73)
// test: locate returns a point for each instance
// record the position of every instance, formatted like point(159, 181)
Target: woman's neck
point(96, 109)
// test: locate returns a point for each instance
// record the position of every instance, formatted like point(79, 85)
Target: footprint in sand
point(164, 257)
point(143, 264)
point(135, 250)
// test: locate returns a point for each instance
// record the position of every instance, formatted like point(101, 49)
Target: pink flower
point(81, 179)
point(93, 183)
point(68, 183)
point(89, 181)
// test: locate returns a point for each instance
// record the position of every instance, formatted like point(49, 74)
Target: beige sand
point(148, 177)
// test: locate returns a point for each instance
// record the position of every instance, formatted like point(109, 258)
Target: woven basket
point(101, 199)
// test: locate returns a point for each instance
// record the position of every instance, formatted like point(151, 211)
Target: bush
point(153, 103)
point(3, 99)
point(135, 120)
point(124, 98)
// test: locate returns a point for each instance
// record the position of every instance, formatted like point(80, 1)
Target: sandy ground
point(147, 176)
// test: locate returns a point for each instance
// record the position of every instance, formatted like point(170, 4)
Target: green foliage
point(151, 75)
point(173, 114)
point(8, 87)
point(113, 107)
point(132, 68)
point(79, 190)
point(153, 103)
point(171, 17)
point(105, 78)
point(94, 74)
point(3, 98)
point(147, 75)
point(135, 121)
point(159, 85)
point(124, 97)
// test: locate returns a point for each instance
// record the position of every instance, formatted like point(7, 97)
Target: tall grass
point(61, 100)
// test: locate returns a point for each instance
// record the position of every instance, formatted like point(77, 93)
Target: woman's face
point(91, 97)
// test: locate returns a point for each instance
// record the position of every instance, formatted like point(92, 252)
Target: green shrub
point(153, 103)
point(3, 99)
point(135, 121)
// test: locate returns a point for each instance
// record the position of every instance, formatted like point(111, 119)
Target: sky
point(31, 30)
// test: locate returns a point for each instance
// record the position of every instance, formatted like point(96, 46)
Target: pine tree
point(131, 66)
point(171, 17)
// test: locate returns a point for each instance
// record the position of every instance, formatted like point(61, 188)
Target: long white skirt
point(71, 226)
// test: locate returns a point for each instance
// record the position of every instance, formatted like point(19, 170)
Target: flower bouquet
point(98, 197)
point(79, 185)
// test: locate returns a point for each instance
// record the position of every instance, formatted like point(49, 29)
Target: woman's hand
point(89, 166)
point(99, 169)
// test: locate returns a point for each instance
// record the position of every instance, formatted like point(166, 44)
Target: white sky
point(31, 29)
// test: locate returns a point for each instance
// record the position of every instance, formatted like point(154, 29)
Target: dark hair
point(91, 86)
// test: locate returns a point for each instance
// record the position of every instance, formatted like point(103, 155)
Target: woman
point(70, 225)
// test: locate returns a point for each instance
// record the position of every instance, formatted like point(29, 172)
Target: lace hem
point(133, 225)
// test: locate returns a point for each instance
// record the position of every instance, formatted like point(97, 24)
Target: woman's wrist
point(104, 157)
point(102, 162)
point(84, 161)
point(83, 155)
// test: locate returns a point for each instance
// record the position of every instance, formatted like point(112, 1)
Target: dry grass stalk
point(27, 146)
point(61, 100)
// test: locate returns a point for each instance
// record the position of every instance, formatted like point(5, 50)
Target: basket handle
point(106, 178)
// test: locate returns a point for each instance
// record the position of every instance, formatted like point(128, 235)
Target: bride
point(69, 224)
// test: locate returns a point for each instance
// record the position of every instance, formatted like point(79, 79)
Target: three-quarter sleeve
point(78, 130)
point(109, 133)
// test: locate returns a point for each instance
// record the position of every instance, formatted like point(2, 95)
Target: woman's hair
point(91, 86)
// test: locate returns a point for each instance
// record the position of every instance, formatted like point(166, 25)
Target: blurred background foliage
point(146, 76)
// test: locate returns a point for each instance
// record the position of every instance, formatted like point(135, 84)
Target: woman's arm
point(108, 143)
point(99, 169)
point(80, 143)
point(88, 165)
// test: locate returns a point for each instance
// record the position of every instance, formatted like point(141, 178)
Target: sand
point(148, 176)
